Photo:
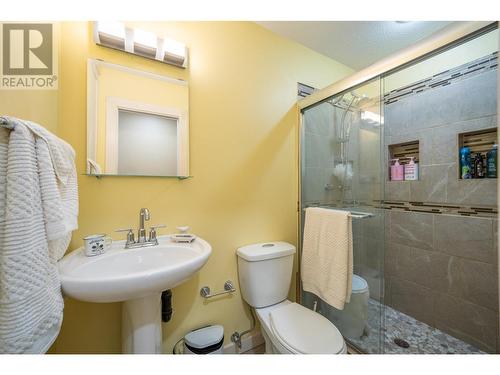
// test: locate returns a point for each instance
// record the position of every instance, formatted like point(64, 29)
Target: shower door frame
point(450, 36)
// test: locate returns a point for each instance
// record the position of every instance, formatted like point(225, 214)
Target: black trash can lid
point(206, 336)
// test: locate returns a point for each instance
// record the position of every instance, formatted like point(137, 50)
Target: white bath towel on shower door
point(326, 267)
point(38, 211)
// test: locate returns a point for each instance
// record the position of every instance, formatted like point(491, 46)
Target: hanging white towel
point(326, 268)
point(38, 211)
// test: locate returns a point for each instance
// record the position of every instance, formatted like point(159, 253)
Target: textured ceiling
point(356, 44)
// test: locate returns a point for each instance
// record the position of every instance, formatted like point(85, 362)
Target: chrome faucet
point(141, 233)
point(142, 241)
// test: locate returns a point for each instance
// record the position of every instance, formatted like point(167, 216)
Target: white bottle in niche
point(411, 170)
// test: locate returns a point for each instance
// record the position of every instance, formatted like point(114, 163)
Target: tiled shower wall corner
point(442, 269)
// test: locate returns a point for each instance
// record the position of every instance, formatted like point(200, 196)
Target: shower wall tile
point(413, 299)
point(397, 190)
point(467, 321)
point(373, 228)
point(411, 261)
point(388, 290)
point(470, 192)
point(467, 237)
point(391, 259)
point(313, 188)
point(397, 118)
point(478, 96)
point(495, 239)
point(445, 144)
point(317, 151)
point(431, 186)
point(373, 253)
point(437, 106)
point(473, 281)
point(412, 229)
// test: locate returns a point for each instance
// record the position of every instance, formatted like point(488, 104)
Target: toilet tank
point(265, 272)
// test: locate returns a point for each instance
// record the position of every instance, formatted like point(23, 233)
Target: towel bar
point(353, 214)
point(228, 288)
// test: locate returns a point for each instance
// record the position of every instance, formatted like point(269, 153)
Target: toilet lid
point(301, 330)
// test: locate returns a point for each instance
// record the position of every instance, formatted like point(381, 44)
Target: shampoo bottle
point(397, 171)
point(465, 166)
point(492, 162)
point(411, 170)
point(479, 166)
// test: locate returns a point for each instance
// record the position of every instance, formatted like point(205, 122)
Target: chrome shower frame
point(450, 36)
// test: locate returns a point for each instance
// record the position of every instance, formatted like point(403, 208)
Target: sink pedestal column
point(141, 325)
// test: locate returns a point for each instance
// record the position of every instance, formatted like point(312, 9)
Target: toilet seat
point(304, 331)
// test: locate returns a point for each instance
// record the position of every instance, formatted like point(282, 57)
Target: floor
point(261, 349)
point(423, 339)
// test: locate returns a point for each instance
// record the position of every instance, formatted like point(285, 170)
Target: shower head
point(359, 99)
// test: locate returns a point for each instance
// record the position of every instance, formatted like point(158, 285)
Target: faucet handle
point(130, 235)
point(123, 230)
point(152, 232)
point(157, 226)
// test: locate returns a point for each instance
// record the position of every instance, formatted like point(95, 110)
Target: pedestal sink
point(135, 277)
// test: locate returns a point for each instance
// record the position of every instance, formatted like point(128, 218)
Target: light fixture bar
point(140, 42)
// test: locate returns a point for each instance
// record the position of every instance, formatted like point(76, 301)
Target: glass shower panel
point(342, 168)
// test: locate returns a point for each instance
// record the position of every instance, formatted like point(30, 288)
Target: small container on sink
point(183, 236)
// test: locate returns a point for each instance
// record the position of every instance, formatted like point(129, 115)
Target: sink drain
point(402, 343)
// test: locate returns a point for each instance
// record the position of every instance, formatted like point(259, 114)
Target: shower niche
point(479, 142)
point(400, 156)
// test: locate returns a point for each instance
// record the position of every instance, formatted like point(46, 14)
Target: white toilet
point(265, 272)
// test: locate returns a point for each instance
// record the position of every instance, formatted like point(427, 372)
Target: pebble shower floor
point(423, 339)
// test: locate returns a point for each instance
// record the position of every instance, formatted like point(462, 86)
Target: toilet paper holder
point(228, 288)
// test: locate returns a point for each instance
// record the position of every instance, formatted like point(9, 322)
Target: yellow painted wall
point(243, 156)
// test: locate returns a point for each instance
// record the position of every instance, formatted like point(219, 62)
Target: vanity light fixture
point(174, 52)
point(140, 42)
point(111, 34)
point(145, 43)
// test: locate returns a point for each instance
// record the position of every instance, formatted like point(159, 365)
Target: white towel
point(326, 267)
point(38, 211)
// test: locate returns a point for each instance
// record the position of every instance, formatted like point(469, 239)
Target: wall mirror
point(137, 122)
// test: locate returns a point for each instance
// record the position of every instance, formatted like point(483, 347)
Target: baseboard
point(248, 342)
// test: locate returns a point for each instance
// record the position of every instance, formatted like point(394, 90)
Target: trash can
point(206, 340)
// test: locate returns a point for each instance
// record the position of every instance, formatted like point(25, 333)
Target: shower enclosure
point(425, 246)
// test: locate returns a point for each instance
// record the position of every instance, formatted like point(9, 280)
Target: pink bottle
point(397, 171)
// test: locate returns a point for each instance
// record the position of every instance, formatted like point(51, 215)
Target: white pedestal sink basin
point(136, 277)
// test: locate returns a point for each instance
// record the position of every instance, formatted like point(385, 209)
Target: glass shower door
point(342, 168)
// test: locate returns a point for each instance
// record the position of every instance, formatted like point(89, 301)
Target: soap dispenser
point(397, 171)
point(411, 170)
